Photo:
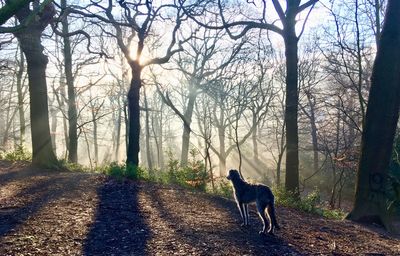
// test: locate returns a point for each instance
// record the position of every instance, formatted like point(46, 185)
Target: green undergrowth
point(19, 154)
point(310, 203)
point(193, 176)
point(221, 188)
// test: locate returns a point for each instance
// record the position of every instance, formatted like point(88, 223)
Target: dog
point(246, 193)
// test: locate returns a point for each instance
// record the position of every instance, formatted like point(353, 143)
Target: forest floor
point(44, 212)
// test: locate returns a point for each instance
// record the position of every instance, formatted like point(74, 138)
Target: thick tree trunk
point(42, 151)
point(380, 125)
point(292, 100)
point(134, 115)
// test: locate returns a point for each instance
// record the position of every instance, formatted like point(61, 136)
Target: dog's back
point(246, 192)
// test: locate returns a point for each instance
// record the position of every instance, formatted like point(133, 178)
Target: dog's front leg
point(246, 213)
point(242, 212)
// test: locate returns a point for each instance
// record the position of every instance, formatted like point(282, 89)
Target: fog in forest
point(217, 100)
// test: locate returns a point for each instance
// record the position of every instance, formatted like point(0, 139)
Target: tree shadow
point(10, 172)
point(226, 234)
point(33, 198)
point(118, 227)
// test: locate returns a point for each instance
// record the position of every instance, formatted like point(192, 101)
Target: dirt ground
point(45, 212)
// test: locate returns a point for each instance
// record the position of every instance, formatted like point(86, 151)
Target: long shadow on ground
point(212, 225)
point(10, 171)
point(118, 228)
point(33, 198)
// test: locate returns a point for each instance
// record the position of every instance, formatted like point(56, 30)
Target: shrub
point(309, 203)
point(19, 154)
point(64, 164)
point(223, 188)
point(119, 171)
point(193, 175)
point(116, 170)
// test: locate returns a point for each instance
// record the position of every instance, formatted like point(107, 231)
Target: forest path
point(43, 212)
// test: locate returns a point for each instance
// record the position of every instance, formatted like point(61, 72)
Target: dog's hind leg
point(272, 217)
point(261, 212)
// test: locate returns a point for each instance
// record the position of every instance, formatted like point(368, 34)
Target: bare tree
point(137, 18)
point(290, 38)
point(203, 60)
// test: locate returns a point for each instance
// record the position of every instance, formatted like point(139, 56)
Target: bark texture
point(380, 125)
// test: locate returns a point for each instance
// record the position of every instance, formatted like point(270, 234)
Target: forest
point(119, 122)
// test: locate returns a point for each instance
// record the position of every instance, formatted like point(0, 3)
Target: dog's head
point(233, 174)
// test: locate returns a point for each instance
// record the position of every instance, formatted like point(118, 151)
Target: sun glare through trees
point(158, 99)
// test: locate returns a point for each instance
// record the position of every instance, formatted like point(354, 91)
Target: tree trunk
point(255, 143)
point(95, 140)
point(118, 129)
point(292, 99)
point(53, 127)
point(186, 127)
point(222, 152)
point(72, 112)
point(314, 130)
point(9, 120)
point(21, 111)
point(159, 136)
point(148, 147)
point(278, 169)
point(380, 125)
point(42, 151)
point(134, 115)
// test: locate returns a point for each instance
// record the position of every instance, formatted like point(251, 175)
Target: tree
point(380, 125)
point(30, 42)
point(139, 19)
point(204, 60)
point(72, 111)
point(290, 38)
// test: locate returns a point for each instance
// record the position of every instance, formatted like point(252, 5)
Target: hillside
point(43, 212)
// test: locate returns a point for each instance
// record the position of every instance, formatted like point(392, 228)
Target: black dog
point(246, 193)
